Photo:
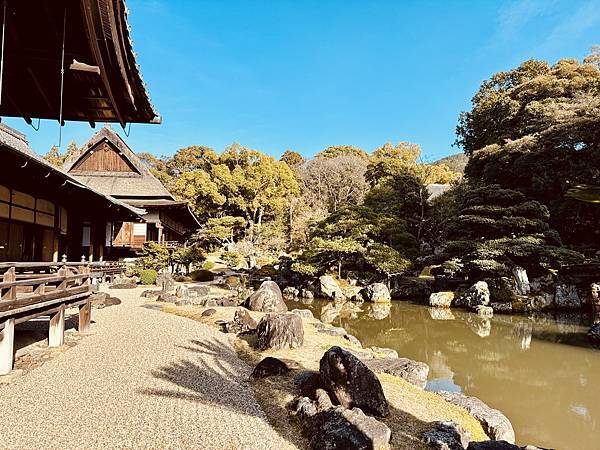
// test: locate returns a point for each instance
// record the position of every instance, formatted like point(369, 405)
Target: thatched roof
point(14, 147)
point(137, 184)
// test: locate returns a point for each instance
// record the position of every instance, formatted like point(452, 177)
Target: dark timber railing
point(30, 290)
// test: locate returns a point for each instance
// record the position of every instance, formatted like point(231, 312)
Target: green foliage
point(220, 230)
point(342, 150)
point(497, 229)
point(292, 158)
point(532, 129)
point(208, 265)
point(148, 277)
point(152, 256)
point(188, 256)
point(358, 238)
point(58, 159)
point(232, 259)
point(202, 275)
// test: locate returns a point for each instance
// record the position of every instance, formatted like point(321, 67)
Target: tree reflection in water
point(538, 370)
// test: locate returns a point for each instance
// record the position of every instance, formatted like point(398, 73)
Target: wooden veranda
point(34, 290)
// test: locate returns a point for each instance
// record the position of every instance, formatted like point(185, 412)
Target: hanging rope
point(128, 132)
point(38, 125)
point(2, 55)
point(62, 79)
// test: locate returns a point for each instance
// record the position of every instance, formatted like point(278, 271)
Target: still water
point(538, 370)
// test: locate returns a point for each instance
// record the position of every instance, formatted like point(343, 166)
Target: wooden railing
point(31, 290)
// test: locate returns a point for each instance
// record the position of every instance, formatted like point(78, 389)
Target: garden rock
point(166, 297)
point(330, 288)
point(241, 323)
point(304, 313)
point(209, 312)
point(413, 372)
point(499, 445)
point(594, 334)
point(150, 293)
point(269, 367)
point(478, 294)
point(280, 331)
point(566, 297)
point(351, 382)
point(521, 281)
point(441, 299)
point(307, 295)
point(495, 424)
point(376, 293)
point(484, 311)
point(447, 436)
point(182, 291)
point(165, 281)
point(384, 352)
point(291, 292)
point(339, 428)
point(267, 298)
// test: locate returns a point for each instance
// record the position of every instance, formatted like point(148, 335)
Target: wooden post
point(56, 336)
point(10, 293)
point(62, 272)
point(85, 316)
point(7, 343)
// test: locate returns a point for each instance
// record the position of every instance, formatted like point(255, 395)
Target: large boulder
point(414, 372)
point(441, 299)
point(478, 294)
point(280, 331)
point(267, 298)
point(269, 367)
point(242, 322)
point(447, 436)
point(567, 297)
point(376, 293)
point(495, 424)
point(351, 382)
point(339, 428)
point(594, 334)
point(330, 288)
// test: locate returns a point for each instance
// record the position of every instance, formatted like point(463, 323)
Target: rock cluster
point(242, 322)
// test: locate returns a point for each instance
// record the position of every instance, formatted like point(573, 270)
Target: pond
point(539, 371)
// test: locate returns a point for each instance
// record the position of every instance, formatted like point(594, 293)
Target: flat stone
point(414, 372)
point(385, 352)
point(495, 424)
point(304, 313)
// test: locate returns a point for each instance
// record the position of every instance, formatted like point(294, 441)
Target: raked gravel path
point(141, 379)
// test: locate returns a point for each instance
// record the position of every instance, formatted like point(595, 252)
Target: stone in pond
point(441, 299)
point(376, 293)
point(495, 424)
point(594, 334)
point(351, 382)
point(478, 294)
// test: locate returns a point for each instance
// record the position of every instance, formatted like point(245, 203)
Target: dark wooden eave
point(97, 35)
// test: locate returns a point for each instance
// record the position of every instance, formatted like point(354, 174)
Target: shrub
point(202, 275)
point(208, 265)
point(232, 259)
point(148, 276)
point(152, 256)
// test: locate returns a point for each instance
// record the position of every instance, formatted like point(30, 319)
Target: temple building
point(107, 164)
point(64, 60)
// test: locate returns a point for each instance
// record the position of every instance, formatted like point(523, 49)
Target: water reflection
point(538, 370)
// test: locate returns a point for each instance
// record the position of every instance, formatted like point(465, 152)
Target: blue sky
point(303, 75)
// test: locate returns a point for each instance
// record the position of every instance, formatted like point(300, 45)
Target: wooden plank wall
point(103, 158)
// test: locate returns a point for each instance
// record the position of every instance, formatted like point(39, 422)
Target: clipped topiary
point(148, 277)
point(202, 275)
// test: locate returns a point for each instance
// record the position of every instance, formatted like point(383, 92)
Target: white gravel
point(143, 379)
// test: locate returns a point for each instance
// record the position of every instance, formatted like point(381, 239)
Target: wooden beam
point(85, 316)
point(7, 346)
point(56, 336)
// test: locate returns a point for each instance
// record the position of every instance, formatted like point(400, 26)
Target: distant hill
point(456, 163)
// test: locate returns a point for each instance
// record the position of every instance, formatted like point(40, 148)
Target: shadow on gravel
point(214, 377)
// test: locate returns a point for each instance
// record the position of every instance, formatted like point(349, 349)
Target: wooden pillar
point(56, 336)
point(7, 343)
point(11, 292)
point(85, 316)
